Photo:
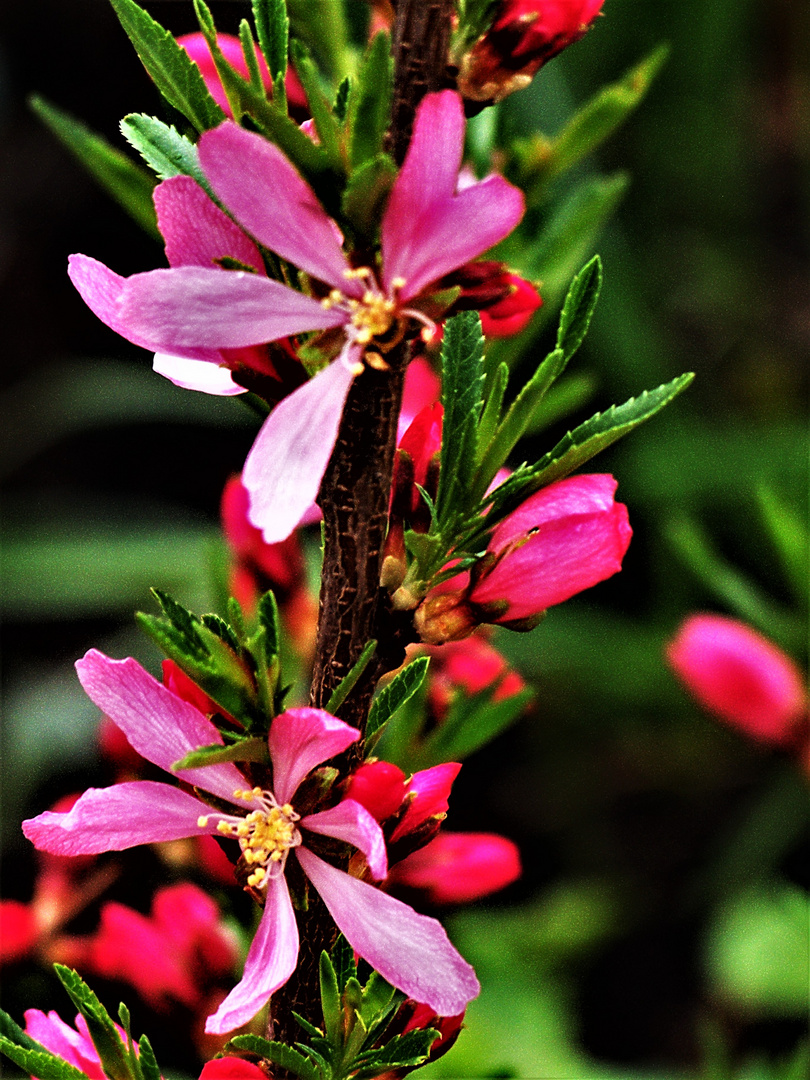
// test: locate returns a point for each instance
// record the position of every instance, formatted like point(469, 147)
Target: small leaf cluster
point(480, 433)
point(120, 1058)
point(352, 1043)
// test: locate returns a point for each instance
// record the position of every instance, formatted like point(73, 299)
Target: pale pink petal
point(64, 1041)
point(119, 817)
point(196, 231)
point(411, 951)
point(427, 228)
point(268, 197)
point(299, 740)
point(270, 962)
point(158, 724)
point(197, 307)
point(286, 463)
point(351, 822)
point(102, 290)
point(197, 375)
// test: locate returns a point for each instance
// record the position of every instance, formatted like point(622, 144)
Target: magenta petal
point(588, 493)
point(196, 231)
point(199, 375)
point(102, 290)
point(270, 962)
point(286, 463)
point(118, 817)
point(197, 307)
point(268, 197)
point(299, 740)
point(411, 951)
point(351, 822)
point(160, 726)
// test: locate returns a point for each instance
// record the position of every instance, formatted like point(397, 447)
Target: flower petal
point(286, 463)
point(299, 740)
point(432, 789)
point(588, 493)
point(268, 197)
point(197, 307)
point(196, 231)
point(411, 951)
point(427, 229)
point(197, 375)
point(102, 290)
point(159, 725)
point(270, 962)
point(351, 822)
point(119, 817)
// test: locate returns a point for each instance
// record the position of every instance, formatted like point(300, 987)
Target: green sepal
point(130, 185)
point(273, 30)
point(113, 1054)
point(403, 1051)
point(278, 1053)
point(243, 750)
point(174, 73)
point(326, 123)
point(163, 148)
point(462, 398)
point(369, 105)
point(471, 722)
point(330, 1002)
point(579, 446)
point(347, 684)
point(365, 195)
point(393, 696)
point(39, 1062)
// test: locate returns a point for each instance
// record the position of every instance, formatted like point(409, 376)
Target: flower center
point(265, 835)
point(373, 314)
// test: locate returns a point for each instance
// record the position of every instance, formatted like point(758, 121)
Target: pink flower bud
point(19, 930)
point(524, 35)
point(429, 792)
point(739, 675)
point(231, 1068)
point(379, 786)
point(456, 868)
point(563, 539)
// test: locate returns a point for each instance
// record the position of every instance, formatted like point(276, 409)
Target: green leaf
point(789, 534)
point(269, 621)
point(343, 961)
point(111, 1050)
point(347, 684)
point(272, 29)
point(369, 107)
point(393, 696)
point(123, 179)
point(330, 1002)
point(342, 98)
point(39, 1062)
point(474, 17)
point(577, 312)
point(471, 723)
point(176, 76)
point(243, 750)
point(11, 1030)
point(147, 1060)
point(163, 148)
point(319, 105)
point(462, 398)
point(404, 1051)
point(321, 25)
point(580, 445)
point(278, 1053)
point(249, 54)
point(365, 194)
point(601, 116)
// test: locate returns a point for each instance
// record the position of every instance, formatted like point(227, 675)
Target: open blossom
point(524, 35)
point(411, 951)
point(740, 676)
point(198, 312)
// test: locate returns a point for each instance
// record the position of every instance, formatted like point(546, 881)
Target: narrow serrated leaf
point(393, 696)
point(365, 194)
point(147, 1060)
point(243, 750)
point(40, 1062)
point(347, 684)
point(272, 30)
point(319, 105)
point(343, 962)
point(11, 1030)
point(277, 1053)
point(111, 1050)
point(176, 76)
point(494, 391)
point(403, 1051)
point(130, 185)
point(342, 98)
point(330, 1001)
point(580, 445)
point(163, 148)
point(249, 54)
point(575, 317)
point(369, 106)
point(470, 724)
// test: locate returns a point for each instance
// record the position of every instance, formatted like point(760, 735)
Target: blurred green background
point(661, 927)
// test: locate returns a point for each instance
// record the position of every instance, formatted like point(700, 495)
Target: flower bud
point(563, 539)
point(456, 868)
point(505, 301)
point(524, 35)
point(738, 675)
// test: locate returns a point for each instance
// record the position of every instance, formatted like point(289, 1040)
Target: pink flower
point(231, 1068)
point(383, 790)
point(471, 665)
point(504, 300)
point(197, 48)
point(456, 868)
point(561, 540)
point(196, 311)
point(739, 675)
point(524, 35)
point(411, 951)
point(73, 1045)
